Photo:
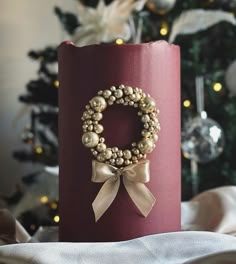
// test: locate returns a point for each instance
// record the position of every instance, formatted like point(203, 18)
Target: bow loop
point(134, 176)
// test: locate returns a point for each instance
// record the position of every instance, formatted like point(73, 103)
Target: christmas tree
point(205, 32)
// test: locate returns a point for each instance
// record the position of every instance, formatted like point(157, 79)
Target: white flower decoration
point(105, 23)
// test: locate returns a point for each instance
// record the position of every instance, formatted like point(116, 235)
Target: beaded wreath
point(92, 129)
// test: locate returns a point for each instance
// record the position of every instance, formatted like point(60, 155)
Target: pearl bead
point(127, 162)
point(112, 161)
point(119, 161)
point(90, 139)
point(115, 149)
point(118, 93)
point(128, 90)
point(122, 86)
point(145, 118)
point(146, 146)
point(107, 93)
point(146, 133)
point(112, 98)
point(102, 139)
point(86, 115)
point(101, 147)
point(108, 153)
point(135, 151)
point(114, 155)
point(135, 97)
point(155, 137)
point(90, 128)
point(98, 128)
point(120, 153)
point(100, 157)
point(113, 88)
point(97, 116)
point(98, 103)
point(127, 154)
point(147, 105)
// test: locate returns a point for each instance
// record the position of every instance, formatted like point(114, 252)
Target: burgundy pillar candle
point(83, 71)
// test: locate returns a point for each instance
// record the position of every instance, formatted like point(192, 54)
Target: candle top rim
point(70, 44)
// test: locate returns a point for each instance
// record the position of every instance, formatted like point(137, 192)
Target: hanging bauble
point(202, 140)
point(230, 78)
point(160, 7)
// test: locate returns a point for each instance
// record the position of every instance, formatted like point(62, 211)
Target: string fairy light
point(56, 83)
point(186, 103)
point(56, 219)
point(119, 41)
point(44, 199)
point(164, 29)
point(217, 87)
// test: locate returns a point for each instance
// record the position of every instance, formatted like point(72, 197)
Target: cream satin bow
point(134, 176)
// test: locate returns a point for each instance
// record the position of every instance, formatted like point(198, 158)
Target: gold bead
point(107, 93)
point(100, 157)
point(108, 153)
point(98, 103)
point(112, 98)
point(135, 151)
point(90, 128)
point(128, 90)
point(135, 97)
point(101, 147)
point(90, 139)
point(146, 146)
point(98, 128)
point(113, 161)
point(86, 115)
point(155, 137)
point(146, 133)
point(145, 118)
point(127, 162)
point(146, 125)
point(115, 149)
point(119, 161)
point(127, 154)
point(147, 105)
point(118, 93)
point(113, 88)
point(120, 153)
point(114, 155)
point(97, 116)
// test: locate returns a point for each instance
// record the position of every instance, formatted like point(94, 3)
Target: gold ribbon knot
point(134, 176)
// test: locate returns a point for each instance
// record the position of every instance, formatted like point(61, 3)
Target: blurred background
point(30, 32)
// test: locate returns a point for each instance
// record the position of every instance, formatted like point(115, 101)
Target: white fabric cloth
point(171, 248)
point(213, 210)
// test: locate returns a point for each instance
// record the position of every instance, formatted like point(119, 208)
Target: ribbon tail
point(105, 196)
point(140, 195)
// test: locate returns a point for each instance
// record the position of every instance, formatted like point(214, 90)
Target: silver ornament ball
point(202, 140)
point(160, 7)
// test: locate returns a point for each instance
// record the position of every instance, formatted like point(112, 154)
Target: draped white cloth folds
point(171, 248)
